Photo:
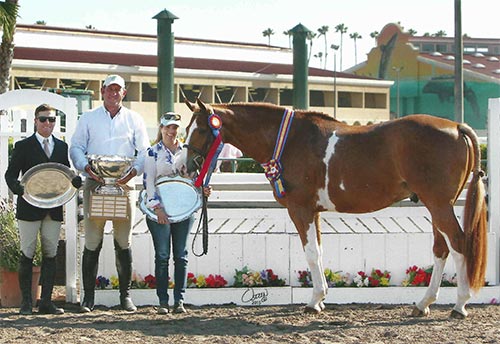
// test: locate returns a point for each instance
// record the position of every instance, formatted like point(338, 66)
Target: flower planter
point(261, 296)
point(392, 295)
point(10, 293)
point(267, 296)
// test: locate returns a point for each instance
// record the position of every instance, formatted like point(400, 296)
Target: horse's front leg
point(308, 227)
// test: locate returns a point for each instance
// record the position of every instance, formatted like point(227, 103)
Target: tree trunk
point(6, 56)
point(7, 49)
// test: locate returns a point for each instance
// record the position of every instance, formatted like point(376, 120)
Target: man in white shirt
point(110, 129)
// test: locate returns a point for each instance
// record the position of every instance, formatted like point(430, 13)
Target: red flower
point(150, 280)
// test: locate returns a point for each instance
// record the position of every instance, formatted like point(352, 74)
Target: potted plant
point(10, 249)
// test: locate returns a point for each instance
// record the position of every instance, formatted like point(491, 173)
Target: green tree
point(40, 22)
point(341, 28)
point(440, 33)
point(8, 17)
point(290, 35)
point(319, 55)
point(268, 33)
point(412, 32)
point(374, 35)
point(322, 32)
point(355, 36)
point(310, 37)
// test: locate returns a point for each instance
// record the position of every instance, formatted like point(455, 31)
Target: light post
point(397, 70)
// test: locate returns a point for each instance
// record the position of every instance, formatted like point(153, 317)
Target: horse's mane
point(274, 107)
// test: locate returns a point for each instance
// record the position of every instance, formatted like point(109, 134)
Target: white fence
point(256, 233)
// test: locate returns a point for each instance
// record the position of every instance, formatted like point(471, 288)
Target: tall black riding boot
point(48, 277)
point(25, 281)
point(124, 269)
point(90, 263)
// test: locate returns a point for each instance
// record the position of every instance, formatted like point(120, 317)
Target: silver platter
point(48, 185)
point(179, 197)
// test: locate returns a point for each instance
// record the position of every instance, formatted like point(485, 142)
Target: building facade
point(215, 71)
point(422, 69)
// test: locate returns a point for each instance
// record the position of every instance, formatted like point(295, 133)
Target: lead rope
point(208, 167)
point(203, 220)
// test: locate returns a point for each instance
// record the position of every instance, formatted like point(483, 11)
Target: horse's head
point(199, 137)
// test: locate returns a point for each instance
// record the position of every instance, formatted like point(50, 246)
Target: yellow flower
point(114, 282)
point(200, 281)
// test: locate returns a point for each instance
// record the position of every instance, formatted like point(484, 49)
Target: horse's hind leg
point(308, 227)
point(440, 250)
point(449, 228)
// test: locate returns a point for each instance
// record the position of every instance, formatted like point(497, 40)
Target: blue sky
point(244, 20)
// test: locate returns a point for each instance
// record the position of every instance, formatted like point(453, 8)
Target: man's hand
point(124, 180)
point(76, 182)
point(92, 175)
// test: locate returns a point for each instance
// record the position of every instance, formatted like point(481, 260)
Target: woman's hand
point(207, 191)
point(162, 216)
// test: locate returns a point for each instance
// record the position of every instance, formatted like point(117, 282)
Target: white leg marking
point(432, 292)
point(463, 288)
point(314, 257)
point(323, 197)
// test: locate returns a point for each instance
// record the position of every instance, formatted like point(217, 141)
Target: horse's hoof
point(457, 315)
point(311, 310)
point(322, 306)
point(419, 313)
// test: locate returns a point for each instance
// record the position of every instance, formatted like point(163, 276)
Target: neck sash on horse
point(208, 167)
point(273, 168)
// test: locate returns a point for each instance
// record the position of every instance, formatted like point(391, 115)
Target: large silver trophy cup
point(109, 200)
point(110, 168)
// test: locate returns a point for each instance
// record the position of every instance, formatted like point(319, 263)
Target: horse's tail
point(475, 217)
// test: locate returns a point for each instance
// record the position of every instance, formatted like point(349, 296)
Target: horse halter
point(209, 159)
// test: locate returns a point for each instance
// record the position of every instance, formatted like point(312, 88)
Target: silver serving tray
point(179, 196)
point(48, 185)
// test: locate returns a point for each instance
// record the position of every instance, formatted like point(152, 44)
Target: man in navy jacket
point(41, 147)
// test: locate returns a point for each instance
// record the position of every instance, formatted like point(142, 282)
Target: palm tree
point(374, 35)
point(268, 33)
point(355, 36)
point(310, 36)
point(440, 33)
point(8, 17)
point(342, 29)
point(412, 32)
point(289, 34)
point(320, 56)
point(322, 32)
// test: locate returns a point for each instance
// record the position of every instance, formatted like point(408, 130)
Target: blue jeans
point(163, 235)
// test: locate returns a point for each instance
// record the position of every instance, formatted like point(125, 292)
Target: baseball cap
point(169, 118)
point(114, 79)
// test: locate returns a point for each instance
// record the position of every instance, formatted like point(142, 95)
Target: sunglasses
point(44, 119)
point(171, 116)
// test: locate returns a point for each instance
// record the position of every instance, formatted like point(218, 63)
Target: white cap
point(114, 79)
point(170, 118)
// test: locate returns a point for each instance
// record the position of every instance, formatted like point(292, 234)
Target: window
point(316, 98)
point(375, 100)
point(259, 94)
point(190, 92)
point(286, 97)
point(149, 92)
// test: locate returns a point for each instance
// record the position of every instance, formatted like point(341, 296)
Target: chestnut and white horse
point(326, 165)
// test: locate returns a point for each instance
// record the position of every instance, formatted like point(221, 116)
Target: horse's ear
point(189, 104)
point(202, 105)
